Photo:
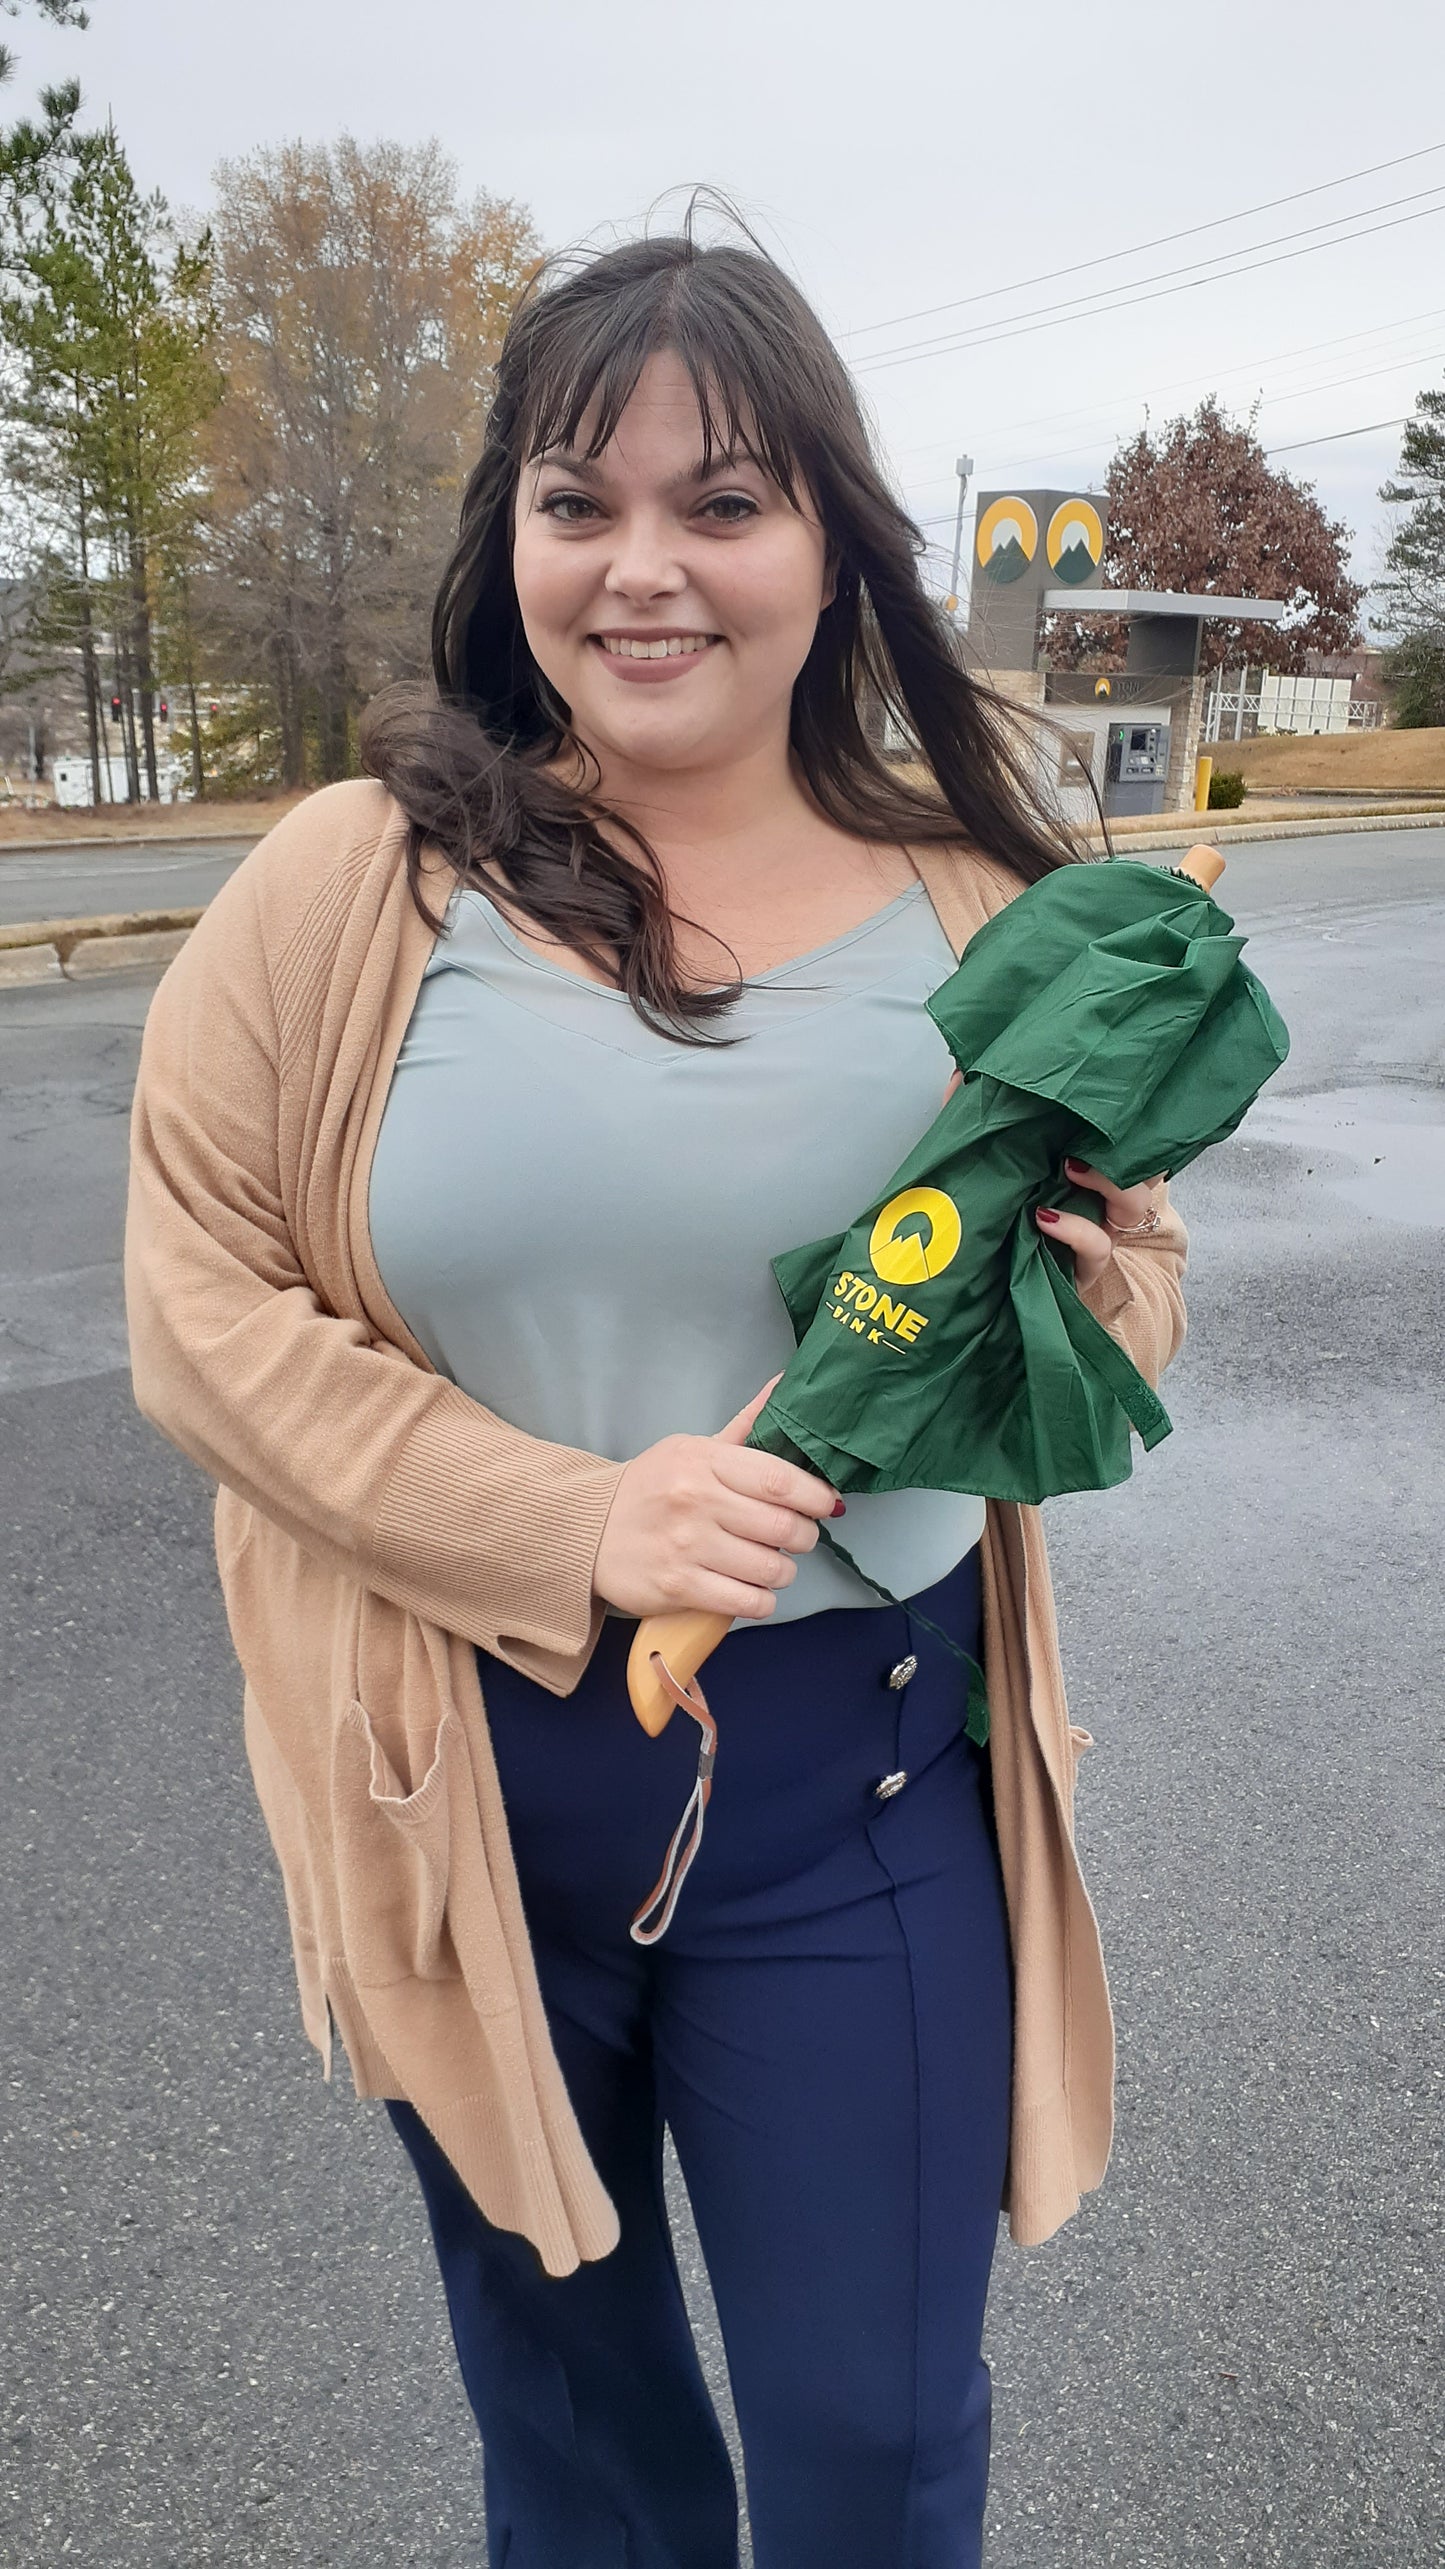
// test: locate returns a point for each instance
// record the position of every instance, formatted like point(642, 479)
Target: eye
point(557, 501)
point(732, 500)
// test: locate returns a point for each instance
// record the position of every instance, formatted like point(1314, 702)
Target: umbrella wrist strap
point(687, 1836)
point(977, 1723)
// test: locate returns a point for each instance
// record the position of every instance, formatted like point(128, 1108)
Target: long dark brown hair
point(467, 757)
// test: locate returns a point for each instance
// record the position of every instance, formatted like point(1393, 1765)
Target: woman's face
point(723, 578)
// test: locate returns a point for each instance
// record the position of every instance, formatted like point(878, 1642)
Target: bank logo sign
point(1007, 540)
point(1074, 545)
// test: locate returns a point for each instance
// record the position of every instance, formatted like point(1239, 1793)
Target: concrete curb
point(115, 954)
point(22, 966)
point(76, 948)
point(1206, 827)
point(107, 838)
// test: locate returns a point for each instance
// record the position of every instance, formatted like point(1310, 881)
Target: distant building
point(74, 781)
point(1242, 703)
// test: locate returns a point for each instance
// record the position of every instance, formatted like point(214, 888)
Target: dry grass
point(1363, 762)
point(150, 821)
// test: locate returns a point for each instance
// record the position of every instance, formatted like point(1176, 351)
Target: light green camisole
point(575, 1216)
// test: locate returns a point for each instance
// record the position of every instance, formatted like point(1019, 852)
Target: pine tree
point(105, 318)
point(1413, 590)
point(61, 13)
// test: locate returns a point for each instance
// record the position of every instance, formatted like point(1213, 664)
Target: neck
point(716, 820)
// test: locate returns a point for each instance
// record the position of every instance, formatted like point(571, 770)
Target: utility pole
point(963, 468)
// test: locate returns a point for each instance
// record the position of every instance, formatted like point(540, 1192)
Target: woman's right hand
point(708, 1522)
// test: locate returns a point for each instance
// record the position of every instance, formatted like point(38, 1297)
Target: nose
point(644, 560)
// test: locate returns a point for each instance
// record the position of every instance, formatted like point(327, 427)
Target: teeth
point(672, 649)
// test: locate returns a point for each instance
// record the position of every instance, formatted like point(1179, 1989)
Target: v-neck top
point(575, 1216)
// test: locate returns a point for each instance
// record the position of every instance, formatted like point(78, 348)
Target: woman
point(448, 1256)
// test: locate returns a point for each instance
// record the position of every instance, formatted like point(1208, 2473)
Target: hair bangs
point(587, 363)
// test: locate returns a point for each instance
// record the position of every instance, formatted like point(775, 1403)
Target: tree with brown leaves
point(1200, 507)
point(359, 305)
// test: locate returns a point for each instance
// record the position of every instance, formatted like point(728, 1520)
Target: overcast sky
point(906, 155)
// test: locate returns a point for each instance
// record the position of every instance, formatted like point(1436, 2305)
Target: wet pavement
point(1382, 1150)
point(224, 2338)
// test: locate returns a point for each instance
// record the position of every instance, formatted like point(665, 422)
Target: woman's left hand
point(1092, 1245)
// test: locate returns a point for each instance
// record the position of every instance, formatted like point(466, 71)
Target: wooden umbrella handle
point(684, 1641)
point(1203, 865)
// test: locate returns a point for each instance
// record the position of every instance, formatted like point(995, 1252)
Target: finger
point(1129, 1205)
point(1090, 1244)
point(1124, 1203)
point(737, 1426)
point(711, 1595)
point(756, 1565)
point(759, 1521)
point(769, 1477)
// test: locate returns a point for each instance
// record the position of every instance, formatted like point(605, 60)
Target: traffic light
point(215, 708)
point(165, 711)
point(115, 709)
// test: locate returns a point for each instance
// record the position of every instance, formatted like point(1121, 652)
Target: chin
point(658, 741)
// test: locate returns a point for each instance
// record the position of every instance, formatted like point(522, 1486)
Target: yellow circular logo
point(1075, 542)
point(910, 1257)
point(1007, 539)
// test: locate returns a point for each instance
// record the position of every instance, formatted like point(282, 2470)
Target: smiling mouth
point(670, 646)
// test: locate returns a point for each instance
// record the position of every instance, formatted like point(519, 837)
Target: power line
point(978, 335)
point(1247, 366)
point(1336, 434)
point(1021, 464)
point(1161, 241)
point(1029, 328)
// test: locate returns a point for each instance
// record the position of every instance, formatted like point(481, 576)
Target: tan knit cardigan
point(373, 1523)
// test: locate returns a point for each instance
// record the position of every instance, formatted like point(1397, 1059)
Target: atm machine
point(1136, 767)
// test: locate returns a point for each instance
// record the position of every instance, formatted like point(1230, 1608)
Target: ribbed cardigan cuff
point(493, 1534)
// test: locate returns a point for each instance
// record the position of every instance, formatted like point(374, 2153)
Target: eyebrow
point(586, 470)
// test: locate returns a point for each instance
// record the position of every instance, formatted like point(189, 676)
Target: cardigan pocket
point(391, 1849)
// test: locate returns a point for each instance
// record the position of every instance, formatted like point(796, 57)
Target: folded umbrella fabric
point(1103, 1015)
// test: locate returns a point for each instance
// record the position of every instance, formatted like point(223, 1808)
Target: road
point(225, 2340)
point(85, 882)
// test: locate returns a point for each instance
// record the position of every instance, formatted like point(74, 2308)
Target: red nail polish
point(838, 1508)
point(1046, 1215)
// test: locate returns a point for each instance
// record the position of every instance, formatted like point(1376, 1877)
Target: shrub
point(1226, 789)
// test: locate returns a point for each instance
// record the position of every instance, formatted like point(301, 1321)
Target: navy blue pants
point(826, 2029)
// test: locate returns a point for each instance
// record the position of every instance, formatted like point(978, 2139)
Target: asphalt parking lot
point(224, 2337)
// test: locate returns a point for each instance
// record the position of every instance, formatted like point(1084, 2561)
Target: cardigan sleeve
point(388, 1472)
point(1140, 1294)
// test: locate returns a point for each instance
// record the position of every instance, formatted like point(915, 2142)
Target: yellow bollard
point(1203, 770)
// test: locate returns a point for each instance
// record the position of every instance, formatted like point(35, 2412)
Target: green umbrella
point(1103, 1015)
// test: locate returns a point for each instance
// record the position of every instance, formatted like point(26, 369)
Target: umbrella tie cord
point(687, 1836)
point(977, 1724)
